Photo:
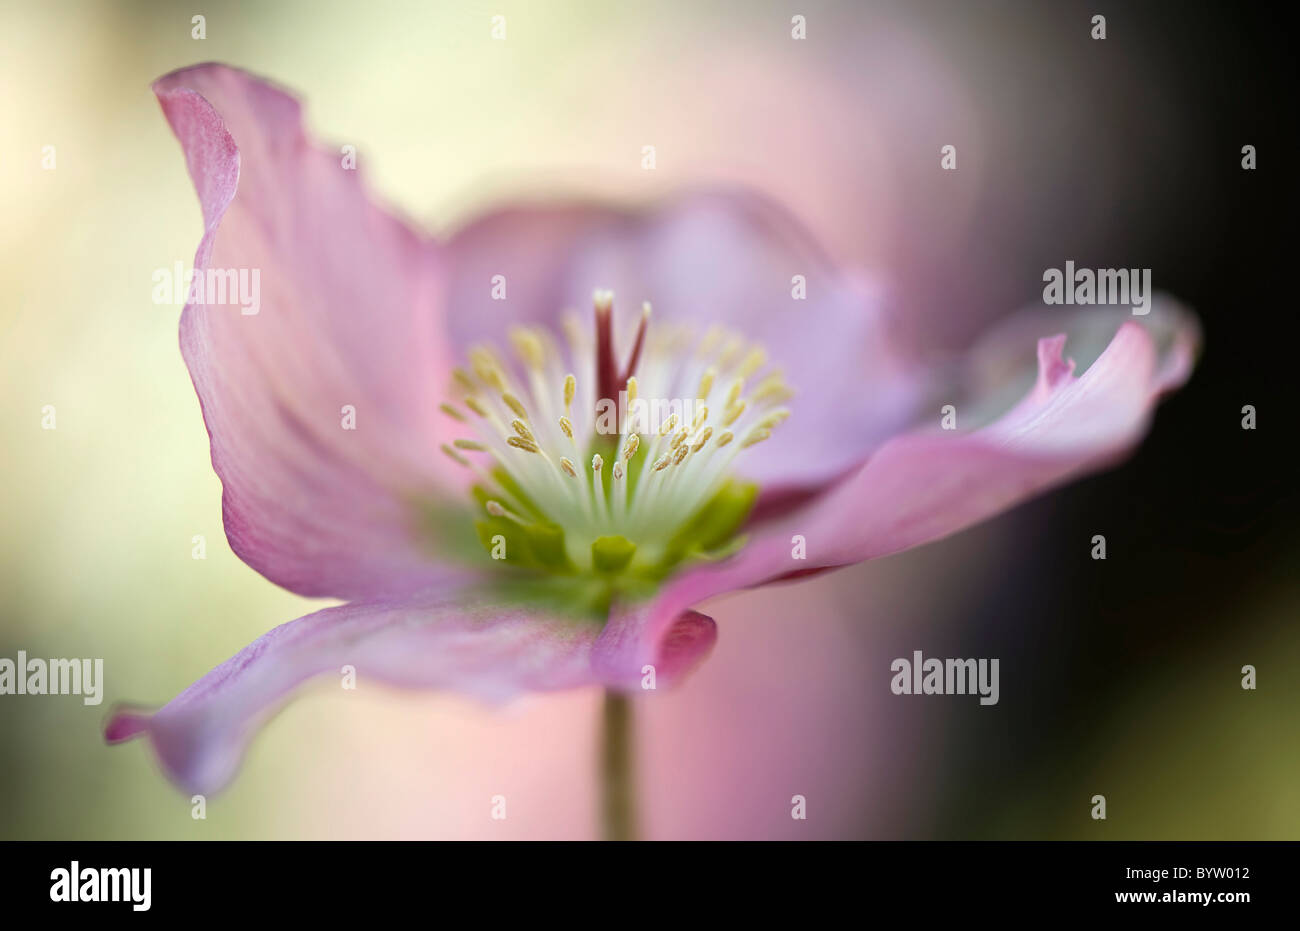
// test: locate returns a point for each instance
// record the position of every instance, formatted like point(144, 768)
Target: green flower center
point(624, 474)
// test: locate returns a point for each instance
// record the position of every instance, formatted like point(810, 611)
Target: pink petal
point(347, 317)
point(476, 648)
point(925, 485)
point(704, 259)
point(640, 637)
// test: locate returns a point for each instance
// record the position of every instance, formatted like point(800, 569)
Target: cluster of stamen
point(546, 446)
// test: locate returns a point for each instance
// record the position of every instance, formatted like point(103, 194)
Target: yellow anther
point(512, 402)
point(733, 394)
point(754, 361)
point(771, 388)
point(712, 336)
point(497, 509)
point(706, 383)
point(486, 367)
point(528, 347)
point(463, 380)
point(454, 456)
point(733, 412)
point(730, 351)
point(735, 381)
point(757, 436)
point(451, 411)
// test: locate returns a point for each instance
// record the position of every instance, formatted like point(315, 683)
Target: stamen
point(733, 394)
point(647, 509)
point(464, 381)
point(512, 402)
point(730, 351)
point(757, 436)
point(486, 367)
point(771, 388)
point(756, 359)
point(706, 383)
point(454, 456)
point(712, 336)
point(774, 418)
point(450, 411)
point(497, 509)
point(528, 347)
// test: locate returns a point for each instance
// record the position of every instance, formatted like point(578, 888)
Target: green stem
point(618, 805)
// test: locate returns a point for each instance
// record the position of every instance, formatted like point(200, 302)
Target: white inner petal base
point(585, 466)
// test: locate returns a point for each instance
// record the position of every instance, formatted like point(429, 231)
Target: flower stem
point(618, 805)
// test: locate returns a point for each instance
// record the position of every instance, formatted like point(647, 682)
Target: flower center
point(625, 471)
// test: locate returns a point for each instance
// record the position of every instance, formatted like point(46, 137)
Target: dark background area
point(1200, 525)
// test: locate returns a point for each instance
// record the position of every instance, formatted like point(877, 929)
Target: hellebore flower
point(391, 432)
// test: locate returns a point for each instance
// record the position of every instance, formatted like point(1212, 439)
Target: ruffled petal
point(479, 648)
point(715, 258)
point(925, 485)
point(322, 405)
point(638, 639)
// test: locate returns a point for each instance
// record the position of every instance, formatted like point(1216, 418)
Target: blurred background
point(1119, 678)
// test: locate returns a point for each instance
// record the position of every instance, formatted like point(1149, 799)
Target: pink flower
point(377, 444)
